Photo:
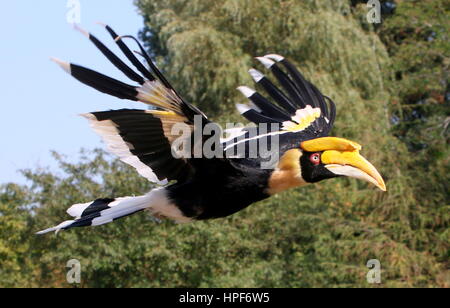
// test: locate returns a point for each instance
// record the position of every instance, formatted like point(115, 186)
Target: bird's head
point(323, 158)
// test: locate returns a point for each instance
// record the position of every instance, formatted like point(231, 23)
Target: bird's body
point(201, 198)
point(206, 176)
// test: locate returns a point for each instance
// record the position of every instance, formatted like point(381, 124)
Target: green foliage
point(14, 219)
point(417, 38)
point(322, 235)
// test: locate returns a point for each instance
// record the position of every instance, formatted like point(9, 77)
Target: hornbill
point(201, 187)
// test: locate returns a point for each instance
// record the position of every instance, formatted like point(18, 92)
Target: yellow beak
point(341, 156)
point(352, 164)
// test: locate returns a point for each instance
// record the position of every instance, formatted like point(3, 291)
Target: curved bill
point(330, 143)
point(352, 164)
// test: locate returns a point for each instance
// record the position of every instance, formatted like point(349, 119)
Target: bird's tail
point(103, 211)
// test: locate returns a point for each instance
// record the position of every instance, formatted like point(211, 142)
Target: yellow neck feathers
point(288, 173)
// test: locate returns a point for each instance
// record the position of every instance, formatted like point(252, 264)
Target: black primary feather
point(115, 60)
point(130, 55)
point(103, 83)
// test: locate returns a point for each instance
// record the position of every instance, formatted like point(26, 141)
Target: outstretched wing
point(140, 138)
point(301, 111)
point(143, 139)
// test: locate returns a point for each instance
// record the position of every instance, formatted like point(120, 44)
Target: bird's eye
point(315, 158)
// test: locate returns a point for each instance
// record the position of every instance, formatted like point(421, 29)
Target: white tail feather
point(156, 201)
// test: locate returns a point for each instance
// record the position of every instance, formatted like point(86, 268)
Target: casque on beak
point(341, 157)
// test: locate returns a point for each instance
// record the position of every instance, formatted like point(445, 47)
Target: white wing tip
point(246, 91)
point(64, 65)
point(88, 116)
point(101, 24)
point(256, 75)
point(242, 108)
point(268, 63)
point(81, 30)
point(275, 57)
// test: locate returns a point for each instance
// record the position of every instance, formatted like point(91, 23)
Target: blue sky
point(39, 102)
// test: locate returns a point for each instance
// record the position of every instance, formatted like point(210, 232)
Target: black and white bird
point(195, 187)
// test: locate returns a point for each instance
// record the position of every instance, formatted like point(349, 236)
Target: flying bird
point(191, 187)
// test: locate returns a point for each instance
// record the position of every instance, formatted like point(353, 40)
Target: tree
point(195, 43)
point(416, 38)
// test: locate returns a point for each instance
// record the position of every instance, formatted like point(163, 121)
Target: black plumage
point(277, 95)
point(202, 187)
